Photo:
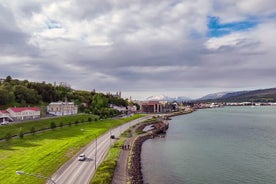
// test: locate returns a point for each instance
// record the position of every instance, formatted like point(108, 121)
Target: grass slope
point(15, 128)
point(45, 152)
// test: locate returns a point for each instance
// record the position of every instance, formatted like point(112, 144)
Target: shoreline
point(134, 169)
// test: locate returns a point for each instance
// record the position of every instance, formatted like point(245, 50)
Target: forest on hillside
point(22, 93)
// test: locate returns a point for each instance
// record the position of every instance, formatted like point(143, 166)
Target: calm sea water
point(231, 145)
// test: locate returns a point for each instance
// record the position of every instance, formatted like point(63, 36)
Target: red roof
point(20, 109)
point(4, 111)
point(151, 103)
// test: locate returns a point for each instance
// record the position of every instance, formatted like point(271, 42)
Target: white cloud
point(125, 45)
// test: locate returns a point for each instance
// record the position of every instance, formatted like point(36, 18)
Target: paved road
point(81, 172)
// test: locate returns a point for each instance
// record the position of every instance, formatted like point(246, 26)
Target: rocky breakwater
point(134, 168)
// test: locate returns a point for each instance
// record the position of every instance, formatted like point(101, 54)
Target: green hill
point(261, 95)
point(22, 93)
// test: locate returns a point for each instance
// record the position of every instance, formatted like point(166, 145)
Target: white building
point(21, 113)
point(5, 116)
point(62, 108)
point(119, 108)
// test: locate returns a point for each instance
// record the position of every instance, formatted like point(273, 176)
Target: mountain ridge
point(258, 95)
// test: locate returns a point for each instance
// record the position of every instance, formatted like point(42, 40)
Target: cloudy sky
point(143, 47)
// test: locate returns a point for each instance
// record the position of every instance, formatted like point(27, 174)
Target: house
point(118, 108)
point(5, 116)
point(62, 108)
point(22, 113)
point(132, 108)
point(152, 107)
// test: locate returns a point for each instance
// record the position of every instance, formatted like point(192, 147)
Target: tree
point(28, 95)
point(32, 130)
point(53, 125)
point(21, 134)
point(8, 136)
point(99, 101)
point(6, 97)
point(8, 79)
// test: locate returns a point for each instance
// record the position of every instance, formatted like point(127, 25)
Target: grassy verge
point(105, 171)
point(15, 128)
point(43, 153)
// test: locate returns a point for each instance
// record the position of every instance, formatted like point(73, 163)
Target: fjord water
point(230, 145)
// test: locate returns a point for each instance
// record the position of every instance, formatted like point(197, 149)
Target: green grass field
point(43, 153)
point(15, 128)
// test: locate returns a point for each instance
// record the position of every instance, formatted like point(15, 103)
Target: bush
point(21, 134)
point(76, 122)
point(32, 130)
point(89, 119)
point(61, 124)
point(8, 136)
point(53, 125)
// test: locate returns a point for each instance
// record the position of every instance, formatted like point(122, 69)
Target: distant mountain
point(213, 96)
point(159, 98)
point(167, 98)
point(260, 95)
point(183, 99)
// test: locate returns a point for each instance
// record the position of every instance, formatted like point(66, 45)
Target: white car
point(81, 157)
point(4, 123)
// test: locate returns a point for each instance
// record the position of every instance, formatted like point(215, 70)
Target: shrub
point(61, 124)
point(21, 134)
point(8, 136)
point(53, 125)
point(32, 130)
point(76, 122)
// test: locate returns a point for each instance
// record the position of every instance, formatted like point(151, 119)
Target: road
point(81, 172)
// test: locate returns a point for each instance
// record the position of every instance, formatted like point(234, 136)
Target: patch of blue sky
point(218, 29)
point(272, 16)
point(53, 24)
point(174, 3)
point(194, 34)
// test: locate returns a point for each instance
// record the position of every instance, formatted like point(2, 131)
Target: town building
point(152, 107)
point(5, 116)
point(19, 114)
point(62, 108)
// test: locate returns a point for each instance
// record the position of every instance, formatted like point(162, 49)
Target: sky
point(142, 48)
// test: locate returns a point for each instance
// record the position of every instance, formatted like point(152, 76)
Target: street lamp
point(36, 175)
point(96, 153)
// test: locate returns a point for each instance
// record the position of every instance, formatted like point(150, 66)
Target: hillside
point(260, 95)
point(14, 92)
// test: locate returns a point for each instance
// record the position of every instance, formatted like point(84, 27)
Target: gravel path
point(121, 174)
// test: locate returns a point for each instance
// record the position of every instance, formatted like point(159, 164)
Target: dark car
point(112, 137)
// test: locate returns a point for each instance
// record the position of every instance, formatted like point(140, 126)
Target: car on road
point(81, 157)
point(112, 137)
point(4, 123)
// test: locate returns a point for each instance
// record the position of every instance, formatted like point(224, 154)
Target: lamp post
point(36, 175)
point(96, 153)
